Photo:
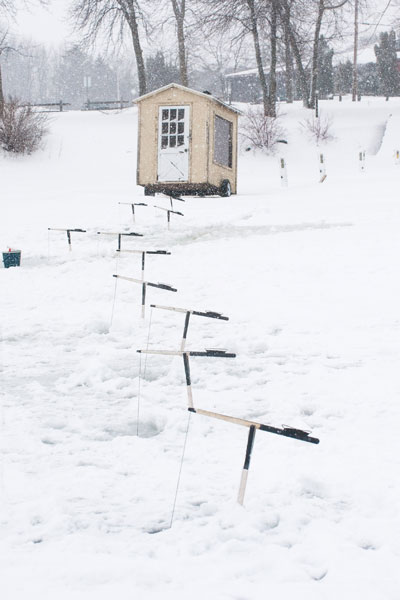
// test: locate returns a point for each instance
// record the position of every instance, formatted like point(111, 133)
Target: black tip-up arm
point(215, 353)
point(291, 432)
point(211, 314)
point(163, 286)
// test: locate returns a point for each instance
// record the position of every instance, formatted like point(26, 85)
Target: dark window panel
point(222, 141)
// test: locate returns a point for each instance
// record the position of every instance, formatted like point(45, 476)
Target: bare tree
point(179, 8)
point(1, 94)
point(359, 5)
point(3, 49)
point(273, 20)
point(243, 18)
point(7, 8)
point(288, 63)
point(111, 16)
point(322, 7)
point(8, 45)
point(298, 18)
point(289, 19)
point(254, 28)
point(354, 90)
point(214, 58)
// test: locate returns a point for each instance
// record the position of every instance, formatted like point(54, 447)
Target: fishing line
point(115, 292)
point(138, 398)
point(3, 426)
point(147, 345)
point(140, 377)
point(180, 470)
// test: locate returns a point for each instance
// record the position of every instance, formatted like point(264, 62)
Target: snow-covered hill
point(309, 278)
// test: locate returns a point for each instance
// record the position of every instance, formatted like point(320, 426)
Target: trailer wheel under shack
point(187, 143)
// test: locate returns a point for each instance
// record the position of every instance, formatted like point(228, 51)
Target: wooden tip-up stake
point(120, 234)
point(146, 251)
point(322, 169)
point(361, 158)
point(286, 431)
point(209, 313)
point(68, 231)
point(212, 353)
point(132, 205)
point(161, 286)
point(169, 211)
point(173, 197)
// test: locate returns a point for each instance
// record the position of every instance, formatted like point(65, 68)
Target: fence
point(89, 105)
point(105, 104)
point(51, 106)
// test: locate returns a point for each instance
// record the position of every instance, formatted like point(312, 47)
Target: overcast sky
point(49, 26)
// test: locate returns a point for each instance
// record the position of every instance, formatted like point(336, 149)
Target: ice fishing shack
point(187, 143)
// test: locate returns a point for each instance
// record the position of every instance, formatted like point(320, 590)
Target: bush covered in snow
point(21, 128)
point(259, 131)
point(319, 129)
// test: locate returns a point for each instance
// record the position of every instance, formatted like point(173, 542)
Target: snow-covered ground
point(309, 277)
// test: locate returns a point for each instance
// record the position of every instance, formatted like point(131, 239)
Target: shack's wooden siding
point(202, 168)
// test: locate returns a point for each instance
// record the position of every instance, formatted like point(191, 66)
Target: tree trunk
point(139, 57)
point(272, 73)
point(256, 40)
point(179, 12)
point(288, 68)
point(300, 69)
point(355, 51)
point(128, 10)
point(1, 96)
point(284, 10)
point(315, 54)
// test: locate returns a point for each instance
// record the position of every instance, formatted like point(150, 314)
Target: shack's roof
point(186, 89)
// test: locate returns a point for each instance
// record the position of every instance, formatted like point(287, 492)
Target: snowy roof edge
point(186, 89)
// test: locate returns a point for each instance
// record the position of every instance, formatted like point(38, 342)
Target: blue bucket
point(12, 258)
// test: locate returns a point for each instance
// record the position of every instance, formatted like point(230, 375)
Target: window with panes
point(172, 127)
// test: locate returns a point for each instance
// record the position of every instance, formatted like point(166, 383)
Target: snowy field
point(309, 278)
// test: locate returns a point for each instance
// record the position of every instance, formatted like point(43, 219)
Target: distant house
point(244, 86)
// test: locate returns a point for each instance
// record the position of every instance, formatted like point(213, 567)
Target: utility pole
point(355, 74)
point(87, 84)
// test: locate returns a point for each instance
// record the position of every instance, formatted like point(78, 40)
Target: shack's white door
point(173, 143)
